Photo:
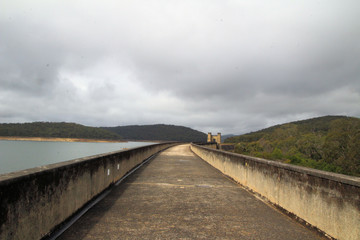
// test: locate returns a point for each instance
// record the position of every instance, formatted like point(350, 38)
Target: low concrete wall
point(327, 201)
point(34, 201)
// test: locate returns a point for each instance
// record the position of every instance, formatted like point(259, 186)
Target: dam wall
point(327, 201)
point(35, 201)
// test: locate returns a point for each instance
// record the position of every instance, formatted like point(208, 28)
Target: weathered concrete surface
point(35, 201)
point(328, 201)
point(179, 196)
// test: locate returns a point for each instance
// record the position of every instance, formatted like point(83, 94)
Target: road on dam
point(177, 195)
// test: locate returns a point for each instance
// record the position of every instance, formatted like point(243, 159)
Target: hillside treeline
point(330, 143)
point(161, 132)
point(56, 130)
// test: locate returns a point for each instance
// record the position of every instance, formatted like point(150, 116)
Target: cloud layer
point(229, 66)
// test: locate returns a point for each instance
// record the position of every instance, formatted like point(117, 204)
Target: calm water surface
point(20, 155)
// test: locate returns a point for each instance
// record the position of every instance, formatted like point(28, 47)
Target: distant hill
point(159, 132)
point(224, 137)
point(330, 143)
point(55, 130)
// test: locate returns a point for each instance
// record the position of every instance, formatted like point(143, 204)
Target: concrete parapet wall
point(34, 201)
point(327, 201)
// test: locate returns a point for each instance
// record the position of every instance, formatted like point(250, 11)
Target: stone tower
point(216, 138)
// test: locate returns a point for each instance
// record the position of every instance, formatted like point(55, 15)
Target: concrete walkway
point(179, 196)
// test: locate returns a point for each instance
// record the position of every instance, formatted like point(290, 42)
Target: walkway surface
point(179, 196)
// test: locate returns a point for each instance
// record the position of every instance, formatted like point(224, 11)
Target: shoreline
point(50, 139)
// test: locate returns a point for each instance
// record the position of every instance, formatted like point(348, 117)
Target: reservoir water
point(20, 155)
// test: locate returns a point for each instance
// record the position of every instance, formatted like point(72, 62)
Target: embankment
point(330, 202)
point(34, 201)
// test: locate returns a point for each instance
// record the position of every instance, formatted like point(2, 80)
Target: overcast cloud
point(220, 66)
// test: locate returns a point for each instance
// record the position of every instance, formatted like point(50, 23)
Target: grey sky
point(228, 66)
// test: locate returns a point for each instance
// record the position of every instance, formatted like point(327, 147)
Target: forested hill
point(159, 132)
point(330, 143)
point(55, 130)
